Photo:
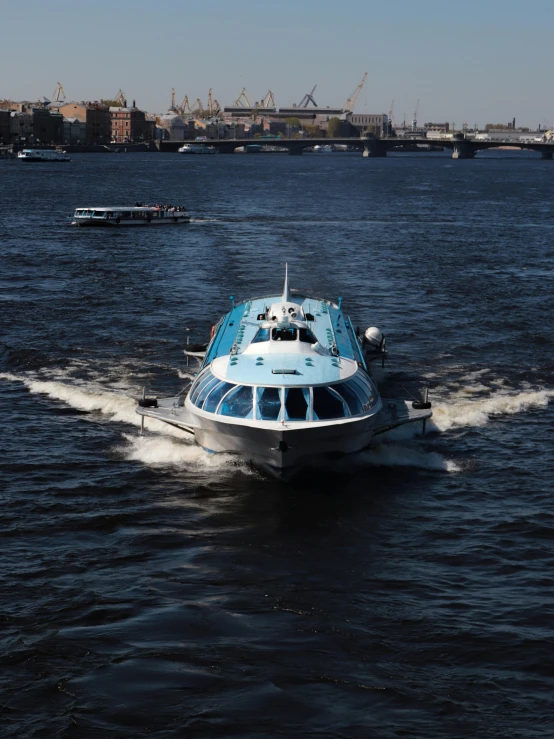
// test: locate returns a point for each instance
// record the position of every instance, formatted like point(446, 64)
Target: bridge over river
point(462, 147)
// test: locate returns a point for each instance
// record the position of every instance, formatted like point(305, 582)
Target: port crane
point(59, 93)
point(242, 99)
point(414, 118)
point(308, 98)
point(268, 101)
point(391, 115)
point(212, 107)
point(350, 104)
point(185, 108)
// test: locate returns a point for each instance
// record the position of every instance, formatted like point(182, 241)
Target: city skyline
point(478, 63)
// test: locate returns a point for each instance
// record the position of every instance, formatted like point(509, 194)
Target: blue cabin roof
point(335, 356)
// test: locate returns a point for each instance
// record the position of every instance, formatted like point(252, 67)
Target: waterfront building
point(95, 115)
point(74, 131)
point(150, 128)
point(172, 126)
point(21, 127)
point(376, 123)
point(438, 127)
point(5, 117)
point(47, 126)
point(128, 124)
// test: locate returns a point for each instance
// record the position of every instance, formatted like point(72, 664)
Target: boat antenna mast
point(286, 285)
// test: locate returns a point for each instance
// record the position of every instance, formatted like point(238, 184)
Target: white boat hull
point(284, 451)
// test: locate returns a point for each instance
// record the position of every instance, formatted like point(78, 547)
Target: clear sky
point(471, 61)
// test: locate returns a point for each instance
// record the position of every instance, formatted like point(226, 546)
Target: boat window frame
point(346, 409)
point(280, 389)
point(201, 404)
point(284, 328)
point(236, 388)
point(353, 390)
point(218, 384)
point(286, 389)
point(199, 383)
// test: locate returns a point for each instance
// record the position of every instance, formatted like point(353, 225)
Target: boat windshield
point(295, 404)
point(262, 335)
point(284, 334)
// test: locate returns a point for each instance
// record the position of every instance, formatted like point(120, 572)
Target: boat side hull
point(101, 223)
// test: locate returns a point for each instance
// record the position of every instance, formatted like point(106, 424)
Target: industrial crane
point(268, 101)
point(391, 115)
point(242, 98)
point(414, 119)
point(308, 98)
point(213, 106)
point(350, 104)
point(185, 108)
point(59, 93)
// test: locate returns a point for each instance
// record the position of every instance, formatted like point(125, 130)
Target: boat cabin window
point(284, 334)
point(199, 383)
point(210, 383)
point(262, 335)
point(305, 335)
point(327, 405)
point(364, 390)
point(297, 403)
point(237, 403)
point(350, 397)
point(268, 403)
point(215, 395)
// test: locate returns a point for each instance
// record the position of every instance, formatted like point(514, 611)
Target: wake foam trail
point(117, 407)
point(467, 413)
point(157, 451)
point(395, 455)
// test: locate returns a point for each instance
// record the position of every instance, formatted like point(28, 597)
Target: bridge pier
point(226, 149)
point(374, 149)
point(296, 151)
point(546, 155)
point(463, 151)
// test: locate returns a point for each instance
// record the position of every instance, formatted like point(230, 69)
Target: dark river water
point(148, 589)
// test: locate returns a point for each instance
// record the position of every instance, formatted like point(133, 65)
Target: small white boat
point(43, 155)
point(286, 381)
point(140, 215)
point(196, 149)
point(323, 149)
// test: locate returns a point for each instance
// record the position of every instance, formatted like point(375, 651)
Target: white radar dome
point(373, 337)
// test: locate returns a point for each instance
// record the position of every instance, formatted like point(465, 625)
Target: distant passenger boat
point(143, 215)
point(43, 155)
point(196, 149)
point(323, 148)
